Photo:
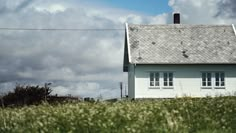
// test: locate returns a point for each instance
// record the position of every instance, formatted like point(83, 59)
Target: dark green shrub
point(26, 95)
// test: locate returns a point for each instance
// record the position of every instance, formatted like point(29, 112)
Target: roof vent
point(176, 18)
point(185, 54)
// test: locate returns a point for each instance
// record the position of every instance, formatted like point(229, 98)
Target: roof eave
point(185, 63)
point(127, 58)
point(127, 37)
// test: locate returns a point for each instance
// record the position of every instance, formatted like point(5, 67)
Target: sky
point(150, 7)
point(85, 63)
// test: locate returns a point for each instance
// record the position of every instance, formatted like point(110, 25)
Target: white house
point(174, 60)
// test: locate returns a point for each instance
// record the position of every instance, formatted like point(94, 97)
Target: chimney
point(176, 18)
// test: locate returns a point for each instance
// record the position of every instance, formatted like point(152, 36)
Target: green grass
point(176, 115)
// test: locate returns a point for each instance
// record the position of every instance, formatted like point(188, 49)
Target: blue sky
point(151, 7)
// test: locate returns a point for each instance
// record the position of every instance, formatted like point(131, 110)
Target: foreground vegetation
point(175, 115)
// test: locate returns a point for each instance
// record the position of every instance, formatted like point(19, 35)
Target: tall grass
point(175, 115)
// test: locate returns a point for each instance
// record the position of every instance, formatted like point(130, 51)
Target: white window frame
point(168, 86)
point(213, 80)
point(208, 83)
point(155, 80)
point(221, 80)
point(161, 80)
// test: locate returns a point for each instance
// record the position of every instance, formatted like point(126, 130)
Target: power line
point(108, 29)
point(55, 29)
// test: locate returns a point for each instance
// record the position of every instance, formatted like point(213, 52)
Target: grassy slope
point(176, 115)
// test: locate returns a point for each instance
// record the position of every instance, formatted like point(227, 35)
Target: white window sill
point(219, 87)
point(154, 87)
point(168, 87)
point(206, 87)
point(215, 87)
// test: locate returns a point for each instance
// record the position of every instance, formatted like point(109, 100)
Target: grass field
point(175, 115)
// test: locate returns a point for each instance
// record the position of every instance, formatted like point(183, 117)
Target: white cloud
point(200, 11)
point(159, 19)
point(53, 8)
point(84, 89)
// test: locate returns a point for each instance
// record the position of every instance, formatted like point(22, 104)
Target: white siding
point(131, 81)
point(187, 81)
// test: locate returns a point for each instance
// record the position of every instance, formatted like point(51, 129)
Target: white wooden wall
point(187, 81)
point(131, 77)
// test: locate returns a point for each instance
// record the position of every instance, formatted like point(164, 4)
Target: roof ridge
point(193, 25)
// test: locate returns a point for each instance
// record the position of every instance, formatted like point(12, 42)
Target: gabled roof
point(180, 44)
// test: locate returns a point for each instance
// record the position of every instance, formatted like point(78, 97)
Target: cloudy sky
point(87, 62)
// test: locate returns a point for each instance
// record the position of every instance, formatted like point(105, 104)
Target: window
point(213, 79)
point(161, 79)
point(154, 79)
point(206, 79)
point(219, 79)
point(168, 79)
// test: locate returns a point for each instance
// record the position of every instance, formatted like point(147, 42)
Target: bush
point(26, 95)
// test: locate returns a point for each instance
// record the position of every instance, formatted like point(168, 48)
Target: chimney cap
point(176, 13)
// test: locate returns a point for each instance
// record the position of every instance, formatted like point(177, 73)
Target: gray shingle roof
point(181, 44)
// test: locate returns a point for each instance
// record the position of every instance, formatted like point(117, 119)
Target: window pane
point(165, 83)
point(203, 75)
point(151, 79)
point(222, 84)
point(171, 77)
point(217, 83)
point(151, 76)
point(203, 83)
point(165, 77)
point(203, 79)
point(157, 76)
point(170, 83)
point(208, 77)
point(209, 83)
point(151, 83)
point(217, 77)
point(156, 79)
point(222, 77)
